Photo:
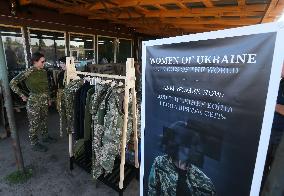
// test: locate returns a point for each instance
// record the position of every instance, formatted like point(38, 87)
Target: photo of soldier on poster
point(175, 173)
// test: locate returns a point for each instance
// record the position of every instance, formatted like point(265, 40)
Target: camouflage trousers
point(60, 107)
point(37, 109)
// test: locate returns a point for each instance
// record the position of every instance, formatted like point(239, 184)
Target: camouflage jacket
point(37, 87)
point(98, 134)
point(68, 103)
point(108, 126)
point(96, 99)
point(164, 176)
point(88, 115)
point(113, 124)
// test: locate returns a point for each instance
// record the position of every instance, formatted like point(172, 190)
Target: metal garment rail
point(129, 84)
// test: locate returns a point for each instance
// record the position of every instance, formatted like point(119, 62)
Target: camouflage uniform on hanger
point(108, 126)
point(60, 105)
point(99, 129)
point(68, 100)
point(113, 125)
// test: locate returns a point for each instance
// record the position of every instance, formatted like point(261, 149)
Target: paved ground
point(51, 174)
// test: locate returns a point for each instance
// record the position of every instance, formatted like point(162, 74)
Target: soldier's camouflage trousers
point(37, 109)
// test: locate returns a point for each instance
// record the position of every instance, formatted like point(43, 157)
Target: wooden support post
point(124, 132)
point(9, 109)
point(70, 74)
point(134, 110)
point(70, 145)
point(129, 84)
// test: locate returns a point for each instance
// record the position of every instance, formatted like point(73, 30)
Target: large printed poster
point(204, 107)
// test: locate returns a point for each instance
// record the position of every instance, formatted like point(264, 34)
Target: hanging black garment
point(79, 110)
point(61, 79)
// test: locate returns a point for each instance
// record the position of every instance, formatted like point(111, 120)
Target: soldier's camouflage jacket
point(164, 176)
point(35, 80)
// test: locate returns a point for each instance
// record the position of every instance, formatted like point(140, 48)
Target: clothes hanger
point(106, 81)
point(91, 81)
point(87, 79)
point(113, 83)
point(120, 84)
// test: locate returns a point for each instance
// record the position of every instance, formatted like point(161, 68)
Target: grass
point(19, 177)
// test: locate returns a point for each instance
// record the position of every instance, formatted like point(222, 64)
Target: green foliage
point(19, 177)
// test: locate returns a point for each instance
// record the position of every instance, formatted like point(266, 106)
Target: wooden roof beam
point(43, 3)
point(255, 7)
point(180, 30)
point(132, 3)
point(221, 21)
point(181, 5)
point(187, 26)
point(208, 3)
point(25, 2)
point(160, 34)
point(200, 28)
point(243, 14)
point(160, 7)
point(137, 16)
point(171, 32)
point(67, 3)
point(203, 29)
point(193, 21)
point(141, 9)
point(241, 2)
point(195, 12)
point(271, 11)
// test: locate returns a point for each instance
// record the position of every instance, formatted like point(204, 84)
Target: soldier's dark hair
point(36, 56)
point(179, 134)
point(62, 59)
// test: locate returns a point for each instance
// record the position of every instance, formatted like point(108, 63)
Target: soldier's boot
point(49, 140)
point(39, 147)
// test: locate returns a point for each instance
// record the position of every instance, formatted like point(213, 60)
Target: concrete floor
point(51, 174)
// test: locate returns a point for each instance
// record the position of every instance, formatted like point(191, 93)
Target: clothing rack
point(129, 84)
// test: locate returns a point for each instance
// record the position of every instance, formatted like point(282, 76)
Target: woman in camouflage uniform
point(38, 99)
point(175, 174)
